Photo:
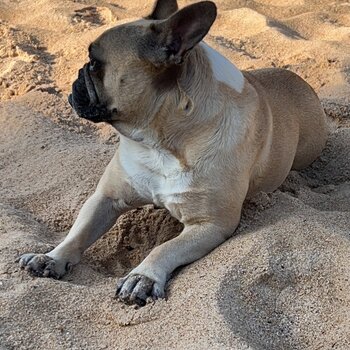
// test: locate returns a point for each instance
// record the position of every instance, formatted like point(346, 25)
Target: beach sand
point(281, 281)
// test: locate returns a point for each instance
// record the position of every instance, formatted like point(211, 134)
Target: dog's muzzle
point(84, 98)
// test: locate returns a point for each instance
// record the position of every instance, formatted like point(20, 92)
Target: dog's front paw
point(138, 289)
point(42, 265)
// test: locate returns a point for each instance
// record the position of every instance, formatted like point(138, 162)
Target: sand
point(281, 282)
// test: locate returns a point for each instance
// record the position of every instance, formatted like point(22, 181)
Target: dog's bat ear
point(173, 38)
point(163, 9)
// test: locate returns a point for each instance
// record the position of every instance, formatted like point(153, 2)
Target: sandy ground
point(281, 282)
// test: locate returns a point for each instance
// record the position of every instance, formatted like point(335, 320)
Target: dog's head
point(131, 65)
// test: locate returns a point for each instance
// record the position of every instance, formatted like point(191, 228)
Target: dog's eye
point(94, 65)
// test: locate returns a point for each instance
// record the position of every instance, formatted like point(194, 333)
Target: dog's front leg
point(149, 278)
point(113, 197)
point(97, 215)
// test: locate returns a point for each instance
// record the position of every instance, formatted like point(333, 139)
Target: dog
point(197, 136)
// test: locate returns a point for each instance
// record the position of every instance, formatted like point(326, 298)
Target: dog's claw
point(138, 289)
point(40, 265)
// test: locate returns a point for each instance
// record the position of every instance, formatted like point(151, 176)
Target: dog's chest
point(155, 175)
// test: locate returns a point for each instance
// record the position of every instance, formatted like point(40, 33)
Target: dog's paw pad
point(39, 265)
point(138, 289)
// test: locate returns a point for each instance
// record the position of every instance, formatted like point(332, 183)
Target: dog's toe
point(138, 289)
point(39, 265)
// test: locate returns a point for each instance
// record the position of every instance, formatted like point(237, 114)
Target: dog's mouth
point(84, 98)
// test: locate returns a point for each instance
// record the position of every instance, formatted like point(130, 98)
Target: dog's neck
point(192, 105)
point(223, 70)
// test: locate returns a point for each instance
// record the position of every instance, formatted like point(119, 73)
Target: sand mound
point(238, 23)
point(321, 26)
point(281, 282)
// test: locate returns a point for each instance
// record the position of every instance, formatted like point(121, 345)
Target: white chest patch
point(155, 175)
point(223, 69)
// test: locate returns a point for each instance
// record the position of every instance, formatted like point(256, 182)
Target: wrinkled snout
point(84, 98)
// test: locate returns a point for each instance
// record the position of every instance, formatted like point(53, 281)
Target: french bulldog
point(197, 136)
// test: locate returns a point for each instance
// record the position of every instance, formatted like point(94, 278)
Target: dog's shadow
point(303, 239)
